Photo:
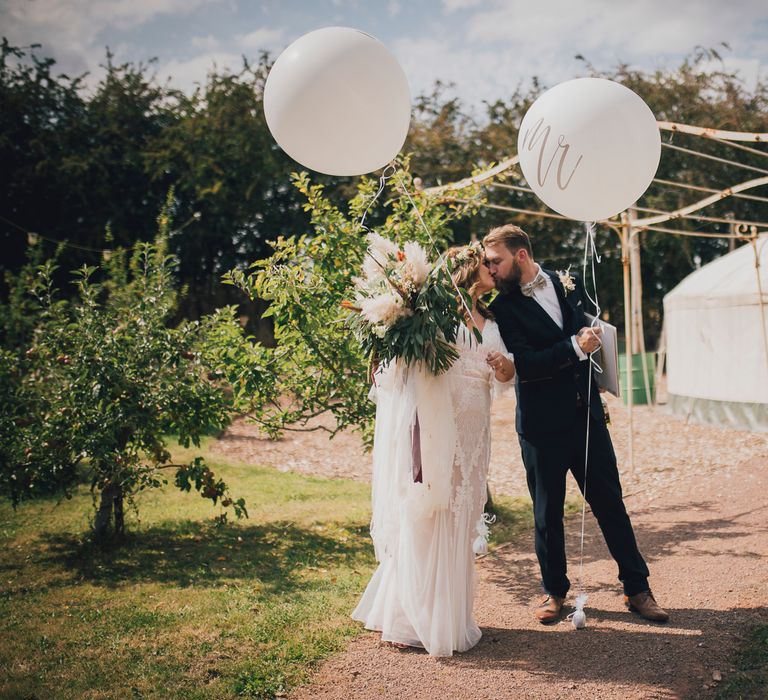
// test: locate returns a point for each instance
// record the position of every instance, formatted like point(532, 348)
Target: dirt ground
point(698, 498)
point(666, 449)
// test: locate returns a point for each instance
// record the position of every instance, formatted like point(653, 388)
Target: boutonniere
point(569, 284)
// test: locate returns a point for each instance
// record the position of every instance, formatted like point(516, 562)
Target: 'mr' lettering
point(538, 135)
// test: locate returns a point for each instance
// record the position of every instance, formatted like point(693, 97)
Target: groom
point(542, 323)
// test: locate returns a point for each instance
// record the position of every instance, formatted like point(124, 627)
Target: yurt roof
point(730, 280)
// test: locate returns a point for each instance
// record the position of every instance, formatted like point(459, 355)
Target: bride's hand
point(374, 367)
point(502, 366)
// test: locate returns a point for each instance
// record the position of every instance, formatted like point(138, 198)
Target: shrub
point(102, 380)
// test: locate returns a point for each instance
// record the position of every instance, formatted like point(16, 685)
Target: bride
point(430, 464)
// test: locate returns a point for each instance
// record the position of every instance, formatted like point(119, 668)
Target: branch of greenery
point(314, 428)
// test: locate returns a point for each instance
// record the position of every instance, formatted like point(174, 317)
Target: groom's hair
point(511, 236)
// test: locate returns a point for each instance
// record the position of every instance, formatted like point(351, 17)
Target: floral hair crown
point(471, 251)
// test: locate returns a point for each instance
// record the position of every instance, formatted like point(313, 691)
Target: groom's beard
point(511, 282)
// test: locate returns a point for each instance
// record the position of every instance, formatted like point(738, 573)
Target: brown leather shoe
point(549, 611)
point(645, 605)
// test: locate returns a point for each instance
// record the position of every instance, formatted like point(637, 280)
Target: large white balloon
point(337, 101)
point(589, 148)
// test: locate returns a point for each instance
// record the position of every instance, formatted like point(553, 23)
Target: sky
point(486, 48)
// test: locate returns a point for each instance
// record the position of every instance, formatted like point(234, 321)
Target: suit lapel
point(565, 308)
point(533, 308)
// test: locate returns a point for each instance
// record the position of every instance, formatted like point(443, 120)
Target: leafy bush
point(103, 380)
point(319, 365)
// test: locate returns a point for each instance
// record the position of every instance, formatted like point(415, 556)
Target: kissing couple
point(535, 333)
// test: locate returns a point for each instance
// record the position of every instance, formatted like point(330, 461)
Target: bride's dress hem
point(391, 637)
point(413, 643)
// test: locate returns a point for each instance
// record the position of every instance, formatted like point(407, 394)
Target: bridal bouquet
point(404, 306)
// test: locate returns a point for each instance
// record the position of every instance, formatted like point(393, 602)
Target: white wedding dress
point(426, 534)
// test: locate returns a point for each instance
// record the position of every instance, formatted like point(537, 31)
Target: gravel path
point(706, 549)
point(698, 500)
point(666, 449)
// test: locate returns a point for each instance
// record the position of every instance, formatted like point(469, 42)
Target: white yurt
point(717, 359)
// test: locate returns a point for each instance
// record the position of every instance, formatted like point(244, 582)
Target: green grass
point(182, 608)
point(750, 681)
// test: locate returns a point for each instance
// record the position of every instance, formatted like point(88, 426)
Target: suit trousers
point(547, 461)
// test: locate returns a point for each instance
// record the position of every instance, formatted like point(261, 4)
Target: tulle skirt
point(426, 534)
point(422, 593)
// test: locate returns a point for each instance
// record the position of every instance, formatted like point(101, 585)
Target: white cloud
point(749, 69)
point(132, 13)
point(207, 43)
point(478, 75)
point(493, 45)
point(187, 74)
point(637, 28)
point(88, 17)
point(486, 47)
point(453, 5)
point(261, 39)
point(71, 30)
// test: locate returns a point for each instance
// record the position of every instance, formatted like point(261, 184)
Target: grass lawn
point(751, 677)
point(183, 609)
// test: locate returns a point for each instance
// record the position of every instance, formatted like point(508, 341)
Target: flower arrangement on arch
point(404, 307)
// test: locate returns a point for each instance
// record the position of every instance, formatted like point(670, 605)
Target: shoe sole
point(549, 620)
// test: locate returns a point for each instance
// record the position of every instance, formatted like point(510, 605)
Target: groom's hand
point(589, 338)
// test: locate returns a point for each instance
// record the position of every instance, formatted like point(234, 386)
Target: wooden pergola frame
point(627, 225)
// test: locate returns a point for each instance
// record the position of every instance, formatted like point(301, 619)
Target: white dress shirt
point(546, 298)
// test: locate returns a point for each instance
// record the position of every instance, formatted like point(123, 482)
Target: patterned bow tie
point(539, 281)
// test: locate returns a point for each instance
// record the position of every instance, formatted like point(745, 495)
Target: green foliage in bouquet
point(101, 381)
point(319, 366)
point(407, 309)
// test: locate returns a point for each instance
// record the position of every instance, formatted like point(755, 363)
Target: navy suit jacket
point(551, 380)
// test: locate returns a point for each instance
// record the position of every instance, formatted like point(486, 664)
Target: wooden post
point(625, 232)
point(760, 304)
point(732, 231)
point(638, 332)
point(661, 358)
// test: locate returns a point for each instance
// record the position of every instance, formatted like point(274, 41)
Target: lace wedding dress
point(426, 532)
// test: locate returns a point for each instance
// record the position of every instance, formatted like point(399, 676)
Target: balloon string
point(385, 175)
point(590, 255)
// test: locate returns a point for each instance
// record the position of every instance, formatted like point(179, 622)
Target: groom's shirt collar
point(541, 274)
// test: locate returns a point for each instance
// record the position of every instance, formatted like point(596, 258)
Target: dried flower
point(569, 284)
point(384, 309)
point(392, 283)
point(417, 267)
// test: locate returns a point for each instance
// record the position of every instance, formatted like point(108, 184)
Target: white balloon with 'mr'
point(589, 148)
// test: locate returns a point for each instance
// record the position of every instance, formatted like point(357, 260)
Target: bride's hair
point(467, 260)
